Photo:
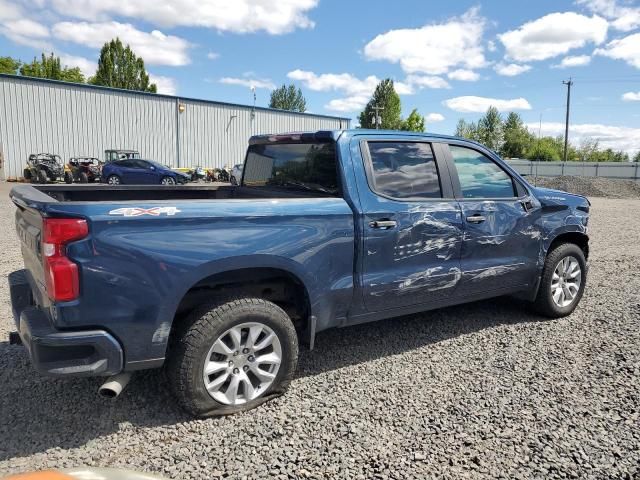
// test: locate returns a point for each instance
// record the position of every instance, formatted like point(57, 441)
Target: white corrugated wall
point(74, 120)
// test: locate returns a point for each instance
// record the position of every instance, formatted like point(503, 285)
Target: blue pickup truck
point(219, 285)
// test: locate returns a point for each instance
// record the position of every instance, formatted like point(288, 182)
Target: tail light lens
point(61, 274)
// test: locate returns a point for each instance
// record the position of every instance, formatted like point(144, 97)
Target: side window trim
point(455, 179)
point(446, 190)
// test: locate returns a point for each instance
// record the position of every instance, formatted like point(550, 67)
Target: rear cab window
point(404, 170)
point(300, 167)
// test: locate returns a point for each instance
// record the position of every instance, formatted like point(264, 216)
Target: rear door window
point(480, 177)
point(404, 170)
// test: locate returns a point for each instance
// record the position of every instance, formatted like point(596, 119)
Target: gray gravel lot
point(481, 390)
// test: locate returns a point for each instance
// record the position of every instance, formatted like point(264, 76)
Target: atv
point(43, 168)
point(83, 170)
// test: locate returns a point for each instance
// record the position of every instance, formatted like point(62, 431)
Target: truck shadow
point(40, 413)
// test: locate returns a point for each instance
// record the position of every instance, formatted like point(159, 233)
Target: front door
point(501, 236)
point(412, 230)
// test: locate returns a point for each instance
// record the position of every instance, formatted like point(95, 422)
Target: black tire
point(83, 177)
point(68, 177)
point(168, 181)
point(544, 303)
point(27, 175)
point(233, 180)
point(42, 176)
point(191, 341)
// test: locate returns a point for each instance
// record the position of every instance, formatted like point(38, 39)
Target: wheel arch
point(576, 237)
point(283, 286)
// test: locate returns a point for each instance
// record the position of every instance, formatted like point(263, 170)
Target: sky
point(450, 60)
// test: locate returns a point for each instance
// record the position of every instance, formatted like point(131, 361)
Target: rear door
point(411, 223)
point(501, 235)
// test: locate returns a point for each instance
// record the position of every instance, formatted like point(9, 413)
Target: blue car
point(135, 171)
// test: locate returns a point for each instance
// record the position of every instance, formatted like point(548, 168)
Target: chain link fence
point(623, 170)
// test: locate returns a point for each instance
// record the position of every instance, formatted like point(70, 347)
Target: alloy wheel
point(565, 282)
point(242, 363)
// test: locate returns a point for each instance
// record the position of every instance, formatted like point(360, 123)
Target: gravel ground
point(591, 186)
point(484, 390)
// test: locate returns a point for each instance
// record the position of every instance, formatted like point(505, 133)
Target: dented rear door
point(411, 224)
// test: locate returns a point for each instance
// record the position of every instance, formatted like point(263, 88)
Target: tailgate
point(29, 227)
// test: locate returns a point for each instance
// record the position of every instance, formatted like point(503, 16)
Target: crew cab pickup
point(325, 229)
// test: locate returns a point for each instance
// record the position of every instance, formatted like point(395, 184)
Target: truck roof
point(332, 135)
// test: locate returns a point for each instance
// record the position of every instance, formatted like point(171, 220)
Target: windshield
point(310, 167)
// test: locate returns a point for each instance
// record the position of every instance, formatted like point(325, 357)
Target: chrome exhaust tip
point(114, 385)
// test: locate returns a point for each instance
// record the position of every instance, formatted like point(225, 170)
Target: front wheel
point(42, 176)
point(68, 178)
point(232, 356)
point(113, 180)
point(233, 180)
point(83, 177)
point(167, 181)
point(563, 281)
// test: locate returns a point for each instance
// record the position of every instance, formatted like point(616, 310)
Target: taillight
point(61, 274)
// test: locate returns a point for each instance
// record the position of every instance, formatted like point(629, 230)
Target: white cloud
point(239, 16)
point(552, 35)
point(213, 55)
point(434, 117)
point(511, 69)
point(433, 49)
point(464, 75)
point(154, 47)
point(475, 104)
point(618, 138)
point(86, 66)
point(249, 82)
point(9, 10)
point(427, 81)
point(165, 85)
point(623, 18)
point(491, 46)
point(574, 61)
point(627, 49)
point(24, 31)
point(631, 97)
point(403, 88)
point(357, 91)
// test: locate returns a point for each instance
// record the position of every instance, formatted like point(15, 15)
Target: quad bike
point(83, 170)
point(221, 175)
point(43, 168)
point(197, 173)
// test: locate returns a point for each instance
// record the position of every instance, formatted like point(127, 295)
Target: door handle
point(385, 224)
point(476, 219)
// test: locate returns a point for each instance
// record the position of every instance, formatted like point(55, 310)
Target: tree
point(50, 67)
point(467, 130)
point(546, 149)
point(9, 65)
point(588, 150)
point(414, 122)
point(490, 129)
point(516, 138)
point(384, 96)
point(636, 157)
point(288, 98)
point(119, 67)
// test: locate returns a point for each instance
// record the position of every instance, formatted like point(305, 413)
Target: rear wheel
point(68, 177)
point(232, 356)
point(113, 180)
point(42, 176)
point(233, 180)
point(167, 181)
point(83, 177)
point(563, 281)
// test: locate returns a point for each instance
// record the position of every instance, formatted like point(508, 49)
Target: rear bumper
point(60, 353)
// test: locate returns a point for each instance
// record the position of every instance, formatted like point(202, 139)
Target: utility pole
point(377, 120)
point(566, 125)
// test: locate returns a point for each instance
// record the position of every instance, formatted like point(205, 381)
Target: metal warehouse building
point(71, 119)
